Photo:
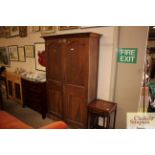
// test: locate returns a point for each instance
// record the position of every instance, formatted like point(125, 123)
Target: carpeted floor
point(26, 114)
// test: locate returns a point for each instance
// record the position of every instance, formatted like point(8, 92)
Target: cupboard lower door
point(74, 103)
point(54, 92)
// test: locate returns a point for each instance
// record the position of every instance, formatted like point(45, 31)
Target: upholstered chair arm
point(56, 125)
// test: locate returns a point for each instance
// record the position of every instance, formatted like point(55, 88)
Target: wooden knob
point(72, 49)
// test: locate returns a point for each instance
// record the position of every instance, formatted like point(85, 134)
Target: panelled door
point(75, 80)
point(55, 76)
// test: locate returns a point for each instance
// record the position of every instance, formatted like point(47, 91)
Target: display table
point(104, 109)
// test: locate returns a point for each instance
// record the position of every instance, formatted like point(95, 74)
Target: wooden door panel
point(54, 63)
point(76, 61)
point(54, 90)
point(75, 104)
point(54, 76)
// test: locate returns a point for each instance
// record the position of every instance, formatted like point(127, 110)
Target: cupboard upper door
point(76, 61)
point(54, 60)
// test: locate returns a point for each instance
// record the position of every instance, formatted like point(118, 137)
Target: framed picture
point(13, 53)
point(4, 57)
point(85, 27)
point(40, 56)
point(1, 31)
point(7, 31)
point(21, 53)
point(48, 29)
point(22, 31)
point(68, 27)
point(4, 31)
point(35, 28)
point(14, 31)
point(29, 51)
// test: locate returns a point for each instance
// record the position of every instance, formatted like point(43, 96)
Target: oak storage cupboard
point(72, 69)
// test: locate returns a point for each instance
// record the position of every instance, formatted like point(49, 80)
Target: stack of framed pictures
point(60, 28)
point(13, 31)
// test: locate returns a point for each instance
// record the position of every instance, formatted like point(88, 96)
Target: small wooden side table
point(104, 109)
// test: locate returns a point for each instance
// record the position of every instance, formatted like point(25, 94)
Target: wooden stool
point(104, 109)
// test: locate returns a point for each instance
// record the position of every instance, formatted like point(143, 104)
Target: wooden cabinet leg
point(43, 116)
point(88, 120)
point(114, 119)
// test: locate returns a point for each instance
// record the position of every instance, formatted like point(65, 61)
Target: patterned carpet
point(26, 114)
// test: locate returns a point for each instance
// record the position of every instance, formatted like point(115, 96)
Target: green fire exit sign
point(127, 55)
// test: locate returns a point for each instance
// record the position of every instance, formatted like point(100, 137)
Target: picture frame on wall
point(4, 31)
point(21, 53)
point(4, 57)
point(35, 28)
point(14, 31)
point(7, 31)
point(29, 51)
point(85, 27)
point(22, 31)
point(40, 56)
point(1, 31)
point(13, 53)
point(61, 28)
point(48, 29)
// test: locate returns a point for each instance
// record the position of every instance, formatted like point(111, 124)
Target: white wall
point(105, 56)
point(129, 76)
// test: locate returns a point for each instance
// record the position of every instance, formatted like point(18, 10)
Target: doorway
point(129, 76)
point(148, 90)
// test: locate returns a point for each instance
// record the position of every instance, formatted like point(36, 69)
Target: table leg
point(114, 119)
